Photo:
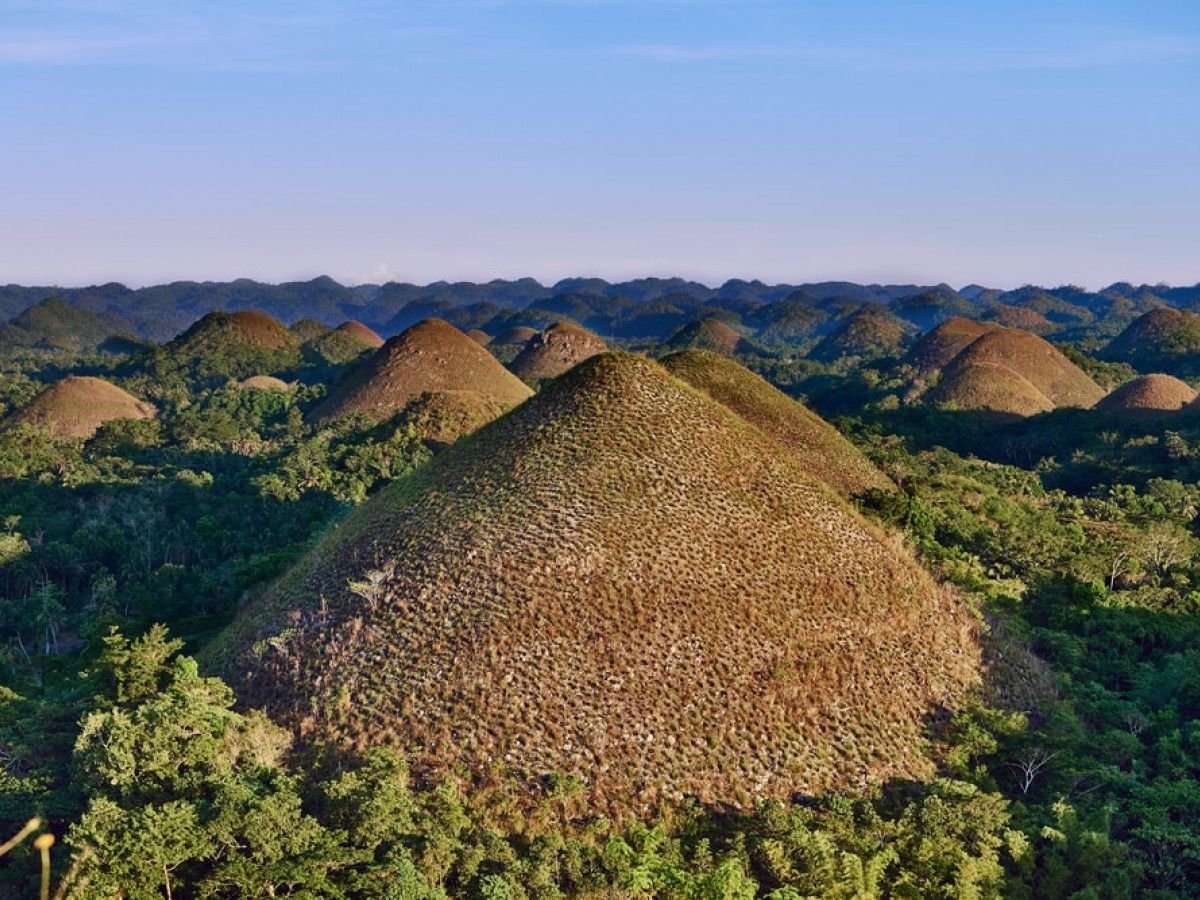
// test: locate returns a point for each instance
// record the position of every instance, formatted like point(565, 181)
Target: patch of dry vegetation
point(442, 417)
point(939, 346)
point(431, 356)
point(344, 344)
point(560, 347)
point(819, 448)
point(77, 406)
point(1018, 317)
point(479, 336)
point(265, 383)
point(708, 334)
point(620, 580)
point(1148, 395)
point(989, 387)
point(248, 327)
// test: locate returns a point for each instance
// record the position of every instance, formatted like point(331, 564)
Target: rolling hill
point(708, 334)
point(223, 346)
point(430, 356)
point(1148, 395)
point(623, 581)
point(77, 406)
point(560, 347)
point(989, 387)
point(343, 344)
point(865, 334)
point(938, 347)
point(1166, 340)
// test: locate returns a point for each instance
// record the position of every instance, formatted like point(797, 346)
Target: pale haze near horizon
point(787, 141)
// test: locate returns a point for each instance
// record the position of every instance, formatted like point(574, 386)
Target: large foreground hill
point(620, 580)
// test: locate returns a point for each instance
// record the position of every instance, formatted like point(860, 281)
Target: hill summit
point(1148, 395)
point(560, 347)
point(620, 580)
point(343, 344)
point(430, 356)
point(1165, 339)
point(708, 334)
point(78, 405)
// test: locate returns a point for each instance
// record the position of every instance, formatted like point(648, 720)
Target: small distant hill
point(1149, 395)
point(1164, 339)
point(431, 356)
point(708, 334)
point(865, 334)
point(223, 346)
point(264, 383)
point(307, 329)
point(1017, 317)
point(1026, 355)
point(479, 336)
point(77, 406)
point(788, 320)
point(938, 347)
point(53, 324)
point(343, 344)
point(560, 347)
point(517, 336)
point(623, 581)
point(819, 448)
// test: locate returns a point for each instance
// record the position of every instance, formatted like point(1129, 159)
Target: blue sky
point(999, 142)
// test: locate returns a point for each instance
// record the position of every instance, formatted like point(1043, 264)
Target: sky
point(1029, 141)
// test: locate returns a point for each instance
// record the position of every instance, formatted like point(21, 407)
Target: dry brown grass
point(77, 406)
point(819, 448)
point(560, 347)
point(621, 580)
point(442, 417)
point(1018, 317)
point(265, 383)
point(1149, 394)
point(249, 327)
point(989, 387)
point(479, 336)
point(359, 332)
point(519, 335)
point(1035, 360)
point(940, 345)
point(707, 334)
point(431, 356)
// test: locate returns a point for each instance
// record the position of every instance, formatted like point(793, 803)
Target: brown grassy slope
point(432, 355)
point(360, 332)
point(247, 327)
point(519, 334)
point(442, 417)
point(1034, 359)
point(939, 346)
point(707, 334)
point(78, 405)
point(989, 387)
point(819, 448)
point(1149, 394)
point(345, 343)
point(863, 334)
point(623, 581)
point(560, 347)
point(479, 336)
point(265, 383)
point(1018, 317)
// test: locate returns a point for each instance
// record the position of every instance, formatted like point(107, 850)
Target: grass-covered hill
point(1012, 371)
point(220, 347)
point(53, 324)
point(708, 334)
point(430, 356)
point(1166, 340)
point(560, 347)
point(1149, 395)
point(343, 344)
point(77, 406)
point(818, 447)
point(940, 345)
point(623, 581)
point(865, 335)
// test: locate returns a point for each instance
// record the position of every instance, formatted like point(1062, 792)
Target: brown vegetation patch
point(620, 580)
point(442, 417)
point(248, 327)
point(560, 347)
point(940, 345)
point(707, 334)
point(78, 405)
point(1017, 317)
point(518, 335)
point(479, 336)
point(359, 332)
point(265, 383)
point(1035, 360)
point(1149, 394)
point(990, 387)
point(820, 448)
point(432, 355)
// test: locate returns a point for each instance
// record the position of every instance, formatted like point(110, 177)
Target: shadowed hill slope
point(864, 334)
point(708, 334)
point(1035, 360)
point(344, 344)
point(1148, 395)
point(560, 347)
point(819, 448)
point(1166, 339)
point(428, 357)
point(479, 336)
point(620, 580)
point(938, 347)
point(77, 406)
